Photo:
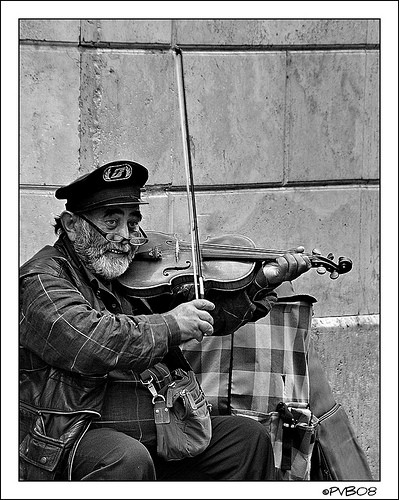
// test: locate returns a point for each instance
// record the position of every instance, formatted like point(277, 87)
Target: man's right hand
point(194, 319)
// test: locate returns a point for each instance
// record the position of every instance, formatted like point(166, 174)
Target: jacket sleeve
point(60, 326)
point(234, 309)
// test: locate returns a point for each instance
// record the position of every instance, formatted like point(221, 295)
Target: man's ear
point(68, 221)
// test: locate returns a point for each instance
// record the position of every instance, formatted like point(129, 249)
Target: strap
point(147, 380)
point(159, 372)
point(175, 359)
point(161, 412)
point(289, 423)
point(287, 444)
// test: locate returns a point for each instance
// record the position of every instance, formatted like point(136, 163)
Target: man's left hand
point(287, 268)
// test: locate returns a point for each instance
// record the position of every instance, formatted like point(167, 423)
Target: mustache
point(126, 248)
point(102, 246)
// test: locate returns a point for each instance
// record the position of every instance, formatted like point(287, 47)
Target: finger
point(203, 304)
point(198, 336)
point(282, 263)
point(299, 249)
point(303, 263)
point(292, 262)
point(205, 316)
point(308, 262)
point(205, 328)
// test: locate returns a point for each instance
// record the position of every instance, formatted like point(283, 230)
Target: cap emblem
point(117, 173)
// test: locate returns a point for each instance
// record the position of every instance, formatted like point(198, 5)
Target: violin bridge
point(155, 253)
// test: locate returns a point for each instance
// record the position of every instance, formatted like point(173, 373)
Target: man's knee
point(254, 437)
point(135, 463)
point(251, 430)
point(105, 454)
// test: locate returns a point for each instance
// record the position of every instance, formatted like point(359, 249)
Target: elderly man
point(84, 412)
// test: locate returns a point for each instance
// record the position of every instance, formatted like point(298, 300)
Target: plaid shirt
point(72, 322)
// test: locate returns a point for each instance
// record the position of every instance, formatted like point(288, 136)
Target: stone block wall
point(284, 130)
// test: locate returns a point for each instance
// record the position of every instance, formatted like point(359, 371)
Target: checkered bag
point(260, 366)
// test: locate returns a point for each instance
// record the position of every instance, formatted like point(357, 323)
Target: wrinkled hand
point(287, 268)
point(194, 319)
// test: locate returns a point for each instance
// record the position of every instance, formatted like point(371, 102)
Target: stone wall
point(284, 123)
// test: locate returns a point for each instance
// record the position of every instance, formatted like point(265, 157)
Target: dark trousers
point(240, 449)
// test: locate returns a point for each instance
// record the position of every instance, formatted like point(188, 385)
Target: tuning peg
point(334, 275)
point(321, 270)
point(345, 265)
point(330, 256)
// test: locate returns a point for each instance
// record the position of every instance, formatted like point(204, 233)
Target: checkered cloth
point(293, 450)
point(260, 365)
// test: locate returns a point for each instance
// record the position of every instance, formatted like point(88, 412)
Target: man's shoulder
point(47, 260)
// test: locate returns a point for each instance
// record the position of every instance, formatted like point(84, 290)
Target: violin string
point(251, 251)
point(215, 246)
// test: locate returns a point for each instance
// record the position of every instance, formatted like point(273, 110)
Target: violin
point(228, 263)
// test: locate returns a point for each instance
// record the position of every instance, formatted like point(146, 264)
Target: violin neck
point(214, 251)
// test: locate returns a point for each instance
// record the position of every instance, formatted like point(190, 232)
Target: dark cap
point(116, 183)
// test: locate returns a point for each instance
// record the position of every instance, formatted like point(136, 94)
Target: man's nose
point(124, 231)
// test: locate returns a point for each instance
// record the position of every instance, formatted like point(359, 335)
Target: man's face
point(108, 259)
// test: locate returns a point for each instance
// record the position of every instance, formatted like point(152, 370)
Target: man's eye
point(111, 223)
point(133, 226)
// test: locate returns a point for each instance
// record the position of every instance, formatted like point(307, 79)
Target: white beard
point(110, 266)
point(94, 252)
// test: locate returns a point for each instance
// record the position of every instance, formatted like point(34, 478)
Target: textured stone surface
point(371, 125)
point(275, 32)
point(369, 261)
point(350, 357)
point(236, 116)
point(49, 115)
point(157, 215)
point(326, 115)
point(37, 212)
point(127, 31)
point(373, 31)
point(129, 111)
point(54, 30)
point(203, 32)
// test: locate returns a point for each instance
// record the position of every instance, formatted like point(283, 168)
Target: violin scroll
point(324, 264)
